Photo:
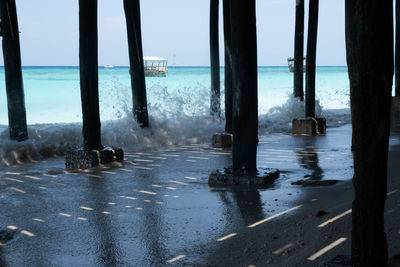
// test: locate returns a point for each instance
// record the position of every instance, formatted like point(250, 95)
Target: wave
point(176, 118)
point(279, 118)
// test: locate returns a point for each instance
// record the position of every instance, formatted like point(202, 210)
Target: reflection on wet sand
point(242, 202)
point(143, 217)
point(109, 253)
point(152, 224)
point(2, 260)
point(307, 157)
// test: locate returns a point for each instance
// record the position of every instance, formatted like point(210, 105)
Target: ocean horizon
point(170, 66)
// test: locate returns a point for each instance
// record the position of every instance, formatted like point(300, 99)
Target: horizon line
point(175, 66)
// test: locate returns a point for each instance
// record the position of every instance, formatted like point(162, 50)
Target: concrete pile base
point(264, 176)
point(309, 126)
point(80, 158)
point(222, 140)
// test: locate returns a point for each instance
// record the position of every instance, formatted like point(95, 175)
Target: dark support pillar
point(311, 55)
point(132, 15)
point(299, 51)
point(397, 55)
point(244, 73)
point(93, 153)
point(88, 65)
point(228, 67)
point(13, 71)
point(369, 45)
point(215, 103)
point(243, 58)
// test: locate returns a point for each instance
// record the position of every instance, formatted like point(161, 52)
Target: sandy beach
point(157, 208)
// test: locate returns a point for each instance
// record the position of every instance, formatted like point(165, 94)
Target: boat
point(155, 66)
point(108, 66)
point(290, 62)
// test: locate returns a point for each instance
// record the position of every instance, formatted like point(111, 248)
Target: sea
point(178, 108)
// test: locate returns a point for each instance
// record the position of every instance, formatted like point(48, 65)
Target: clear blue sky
point(49, 31)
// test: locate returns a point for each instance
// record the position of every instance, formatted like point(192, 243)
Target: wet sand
point(157, 209)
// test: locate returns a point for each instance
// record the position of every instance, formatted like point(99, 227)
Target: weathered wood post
point(133, 26)
point(396, 99)
point(369, 46)
point(223, 140)
point(215, 102)
point(228, 67)
point(88, 67)
point(311, 55)
point(397, 51)
point(311, 125)
point(13, 71)
point(244, 73)
point(298, 90)
point(245, 103)
point(93, 153)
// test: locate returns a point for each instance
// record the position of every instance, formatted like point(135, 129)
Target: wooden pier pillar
point(228, 66)
point(397, 50)
point(298, 90)
point(88, 66)
point(369, 45)
point(93, 152)
point(133, 26)
point(13, 71)
point(244, 73)
point(215, 102)
point(311, 55)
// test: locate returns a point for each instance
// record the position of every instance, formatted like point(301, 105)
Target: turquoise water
point(52, 93)
point(178, 108)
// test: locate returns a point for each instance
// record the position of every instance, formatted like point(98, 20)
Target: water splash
point(177, 116)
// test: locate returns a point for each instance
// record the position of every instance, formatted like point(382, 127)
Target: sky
point(175, 29)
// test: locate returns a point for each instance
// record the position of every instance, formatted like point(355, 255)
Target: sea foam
point(176, 118)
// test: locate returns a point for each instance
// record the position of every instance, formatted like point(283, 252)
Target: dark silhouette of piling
point(397, 50)
point(369, 45)
point(228, 66)
point(298, 90)
point(311, 55)
point(215, 102)
point(133, 26)
point(88, 66)
point(244, 73)
point(13, 71)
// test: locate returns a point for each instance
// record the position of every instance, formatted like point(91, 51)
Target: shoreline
point(48, 139)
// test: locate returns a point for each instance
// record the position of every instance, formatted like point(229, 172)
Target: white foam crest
point(279, 118)
point(176, 118)
point(45, 140)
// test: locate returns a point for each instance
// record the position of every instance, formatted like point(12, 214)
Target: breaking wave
point(279, 118)
point(176, 118)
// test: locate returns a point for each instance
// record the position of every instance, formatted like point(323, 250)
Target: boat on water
point(108, 66)
point(155, 66)
point(290, 62)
